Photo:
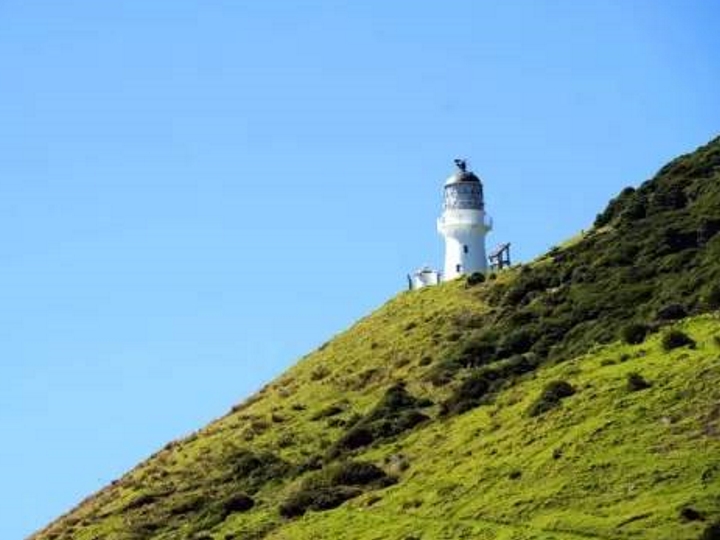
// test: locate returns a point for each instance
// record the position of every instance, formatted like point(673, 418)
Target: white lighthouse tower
point(464, 224)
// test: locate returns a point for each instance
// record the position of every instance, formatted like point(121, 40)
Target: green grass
point(608, 463)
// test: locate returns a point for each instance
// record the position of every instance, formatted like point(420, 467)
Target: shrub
point(553, 393)
point(313, 463)
point(672, 312)
point(476, 278)
point(476, 353)
point(479, 386)
point(690, 514)
point(675, 339)
point(319, 373)
point(668, 196)
point(356, 437)
point(255, 469)
point(712, 297)
point(707, 229)
point(318, 499)
point(425, 360)
point(614, 207)
point(517, 342)
point(635, 209)
point(187, 504)
point(329, 411)
point(332, 487)
point(634, 333)
point(673, 241)
point(238, 503)
point(468, 395)
point(636, 382)
point(711, 532)
point(442, 373)
point(355, 473)
point(396, 412)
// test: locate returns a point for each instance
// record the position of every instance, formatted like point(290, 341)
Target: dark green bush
point(712, 297)
point(238, 503)
point(141, 500)
point(356, 437)
point(515, 474)
point(313, 463)
point(253, 470)
point(317, 499)
point(672, 312)
point(355, 473)
point(477, 388)
point(707, 230)
point(331, 487)
point(468, 395)
point(517, 341)
point(476, 353)
point(187, 504)
point(614, 207)
point(636, 382)
point(672, 240)
point(553, 393)
point(711, 532)
point(476, 278)
point(634, 333)
point(690, 514)
point(675, 339)
point(329, 411)
point(396, 412)
point(319, 373)
point(668, 196)
point(425, 361)
point(635, 209)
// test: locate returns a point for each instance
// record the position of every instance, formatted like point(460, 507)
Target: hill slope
point(499, 409)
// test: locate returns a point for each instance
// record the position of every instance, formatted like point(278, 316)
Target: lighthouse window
point(457, 267)
point(465, 249)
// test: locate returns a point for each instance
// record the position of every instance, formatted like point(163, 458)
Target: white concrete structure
point(464, 224)
point(423, 277)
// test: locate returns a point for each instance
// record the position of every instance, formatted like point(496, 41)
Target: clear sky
point(195, 193)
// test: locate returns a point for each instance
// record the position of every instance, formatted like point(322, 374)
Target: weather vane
point(461, 164)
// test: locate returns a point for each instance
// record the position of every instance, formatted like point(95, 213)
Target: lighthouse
point(463, 223)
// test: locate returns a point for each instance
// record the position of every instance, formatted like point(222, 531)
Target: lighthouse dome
point(462, 176)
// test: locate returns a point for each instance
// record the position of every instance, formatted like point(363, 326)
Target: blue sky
point(193, 194)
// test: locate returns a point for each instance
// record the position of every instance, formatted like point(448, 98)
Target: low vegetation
point(330, 488)
point(551, 396)
point(397, 412)
point(675, 339)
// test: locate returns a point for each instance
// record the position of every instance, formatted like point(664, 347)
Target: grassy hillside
point(574, 397)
